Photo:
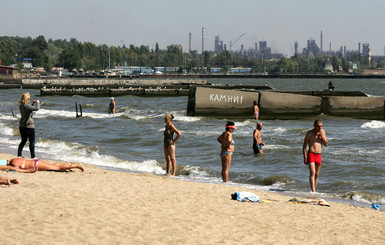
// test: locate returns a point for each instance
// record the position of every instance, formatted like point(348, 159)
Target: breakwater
point(278, 105)
point(120, 87)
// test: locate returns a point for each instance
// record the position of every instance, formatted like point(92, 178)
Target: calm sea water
point(132, 140)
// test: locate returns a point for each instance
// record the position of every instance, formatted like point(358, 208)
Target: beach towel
point(3, 162)
point(245, 196)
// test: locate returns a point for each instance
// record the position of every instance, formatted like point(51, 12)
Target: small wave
point(192, 171)
point(49, 104)
point(364, 197)
point(339, 184)
point(76, 152)
point(5, 130)
point(43, 113)
point(274, 147)
point(147, 166)
point(276, 179)
point(88, 105)
point(300, 130)
point(248, 122)
point(254, 179)
point(178, 116)
point(134, 117)
point(187, 119)
point(9, 116)
point(373, 124)
point(139, 114)
point(279, 129)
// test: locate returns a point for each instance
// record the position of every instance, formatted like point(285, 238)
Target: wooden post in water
point(13, 113)
point(80, 109)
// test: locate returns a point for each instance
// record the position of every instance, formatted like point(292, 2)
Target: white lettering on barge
point(227, 98)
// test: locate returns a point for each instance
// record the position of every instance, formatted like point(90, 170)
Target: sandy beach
point(99, 206)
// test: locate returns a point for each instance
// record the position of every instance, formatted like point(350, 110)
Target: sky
point(146, 22)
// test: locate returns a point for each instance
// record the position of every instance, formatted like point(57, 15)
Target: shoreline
point(100, 206)
point(250, 187)
point(205, 75)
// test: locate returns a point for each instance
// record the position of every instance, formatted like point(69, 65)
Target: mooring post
point(76, 109)
point(81, 111)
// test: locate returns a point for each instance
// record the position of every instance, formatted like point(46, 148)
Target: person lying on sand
point(5, 181)
point(30, 166)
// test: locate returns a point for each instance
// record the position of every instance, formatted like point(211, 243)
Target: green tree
point(206, 58)
point(70, 59)
point(157, 48)
point(8, 50)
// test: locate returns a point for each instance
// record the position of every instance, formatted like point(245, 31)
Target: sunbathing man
point(30, 166)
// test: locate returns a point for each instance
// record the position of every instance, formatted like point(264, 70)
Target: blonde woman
point(169, 144)
point(26, 124)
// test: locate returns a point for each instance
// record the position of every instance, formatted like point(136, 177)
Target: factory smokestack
point(203, 40)
point(189, 42)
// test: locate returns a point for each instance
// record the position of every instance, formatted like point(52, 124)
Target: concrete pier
point(220, 102)
point(356, 107)
point(276, 105)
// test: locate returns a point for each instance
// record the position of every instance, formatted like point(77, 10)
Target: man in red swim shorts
point(314, 157)
point(315, 138)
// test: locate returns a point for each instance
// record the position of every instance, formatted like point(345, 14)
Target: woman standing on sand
point(26, 125)
point(227, 149)
point(169, 144)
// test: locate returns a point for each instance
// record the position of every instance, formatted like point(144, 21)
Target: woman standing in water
point(26, 125)
point(169, 144)
point(256, 110)
point(227, 149)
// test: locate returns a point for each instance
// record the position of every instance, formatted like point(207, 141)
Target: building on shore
point(8, 72)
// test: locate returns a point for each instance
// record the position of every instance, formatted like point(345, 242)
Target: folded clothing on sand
point(245, 196)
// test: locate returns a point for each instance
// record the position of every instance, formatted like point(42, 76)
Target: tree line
point(72, 54)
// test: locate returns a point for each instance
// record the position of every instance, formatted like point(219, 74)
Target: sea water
point(353, 165)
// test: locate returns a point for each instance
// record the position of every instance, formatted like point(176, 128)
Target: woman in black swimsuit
point(169, 144)
point(112, 106)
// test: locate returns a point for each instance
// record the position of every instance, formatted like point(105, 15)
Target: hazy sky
point(279, 22)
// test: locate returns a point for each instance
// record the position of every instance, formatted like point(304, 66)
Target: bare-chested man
point(314, 138)
point(257, 139)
